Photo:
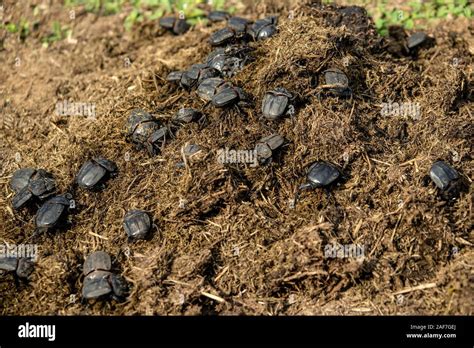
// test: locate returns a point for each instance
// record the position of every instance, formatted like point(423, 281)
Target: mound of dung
point(229, 238)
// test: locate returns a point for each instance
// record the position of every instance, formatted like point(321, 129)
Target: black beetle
point(175, 76)
point(223, 36)
point(22, 267)
point(263, 28)
point(275, 104)
point(196, 74)
point(238, 24)
point(95, 172)
point(229, 60)
point(137, 224)
point(320, 174)
point(186, 115)
point(176, 25)
point(266, 146)
point(207, 89)
point(236, 30)
point(145, 131)
point(336, 83)
point(218, 16)
point(29, 183)
point(99, 281)
point(52, 213)
point(446, 178)
point(227, 95)
point(416, 39)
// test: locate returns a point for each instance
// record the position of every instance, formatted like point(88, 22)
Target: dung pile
point(231, 238)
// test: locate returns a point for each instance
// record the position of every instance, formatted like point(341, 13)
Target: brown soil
point(237, 247)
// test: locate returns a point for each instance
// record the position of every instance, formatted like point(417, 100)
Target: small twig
point(213, 297)
point(418, 287)
point(98, 236)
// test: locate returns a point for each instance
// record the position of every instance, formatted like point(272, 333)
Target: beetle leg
point(202, 121)
point(17, 279)
point(169, 132)
point(206, 105)
point(150, 149)
point(38, 232)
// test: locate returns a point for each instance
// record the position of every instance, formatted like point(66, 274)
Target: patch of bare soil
point(227, 239)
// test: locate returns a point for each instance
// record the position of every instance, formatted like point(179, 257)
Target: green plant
point(11, 27)
point(151, 9)
point(154, 9)
point(105, 7)
point(57, 33)
point(416, 11)
point(24, 29)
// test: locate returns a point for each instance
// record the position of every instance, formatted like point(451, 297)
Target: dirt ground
point(226, 238)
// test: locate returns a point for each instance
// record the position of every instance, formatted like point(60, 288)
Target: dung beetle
point(417, 39)
point(22, 267)
point(186, 115)
point(263, 28)
point(238, 24)
point(29, 183)
point(229, 60)
point(227, 95)
point(275, 104)
point(95, 172)
point(99, 281)
point(137, 224)
point(52, 213)
point(236, 30)
point(218, 16)
point(266, 146)
point(335, 82)
point(145, 131)
point(320, 174)
point(446, 178)
point(175, 76)
point(223, 36)
point(177, 26)
point(196, 74)
point(207, 89)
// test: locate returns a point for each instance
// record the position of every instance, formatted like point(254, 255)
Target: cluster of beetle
point(37, 186)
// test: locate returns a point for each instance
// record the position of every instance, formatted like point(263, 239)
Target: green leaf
point(132, 18)
point(167, 5)
point(195, 12)
point(409, 24)
point(379, 23)
point(12, 28)
point(156, 14)
point(442, 12)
